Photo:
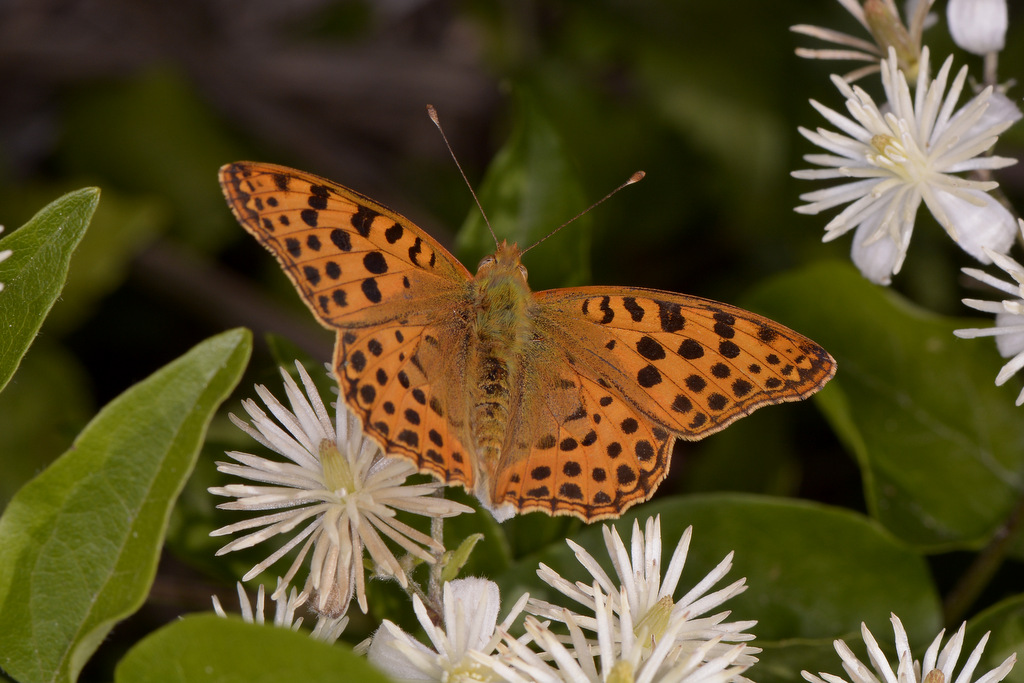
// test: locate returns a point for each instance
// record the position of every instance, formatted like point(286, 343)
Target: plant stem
point(434, 583)
point(991, 68)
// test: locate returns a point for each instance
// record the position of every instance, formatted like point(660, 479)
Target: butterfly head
point(505, 260)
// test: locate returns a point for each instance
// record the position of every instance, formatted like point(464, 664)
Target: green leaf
point(814, 572)
point(529, 190)
point(210, 648)
point(940, 446)
point(121, 227)
point(459, 557)
point(34, 274)
point(81, 541)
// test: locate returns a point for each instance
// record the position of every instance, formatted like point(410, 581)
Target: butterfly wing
point(575, 448)
point(627, 371)
point(395, 295)
point(353, 260)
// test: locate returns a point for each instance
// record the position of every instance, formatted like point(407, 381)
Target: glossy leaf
point(81, 541)
point(941, 448)
point(210, 648)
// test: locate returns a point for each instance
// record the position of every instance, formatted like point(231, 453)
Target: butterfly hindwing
point(394, 379)
point(591, 454)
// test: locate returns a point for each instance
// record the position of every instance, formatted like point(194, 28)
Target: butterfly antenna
point(437, 122)
point(635, 178)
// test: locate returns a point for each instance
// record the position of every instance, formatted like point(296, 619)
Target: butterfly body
point(500, 333)
point(566, 400)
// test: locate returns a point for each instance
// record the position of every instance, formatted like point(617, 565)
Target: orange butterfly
point(567, 400)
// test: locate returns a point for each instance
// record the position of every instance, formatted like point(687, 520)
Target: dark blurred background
point(148, 99)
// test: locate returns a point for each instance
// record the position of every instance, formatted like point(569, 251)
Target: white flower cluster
point(918, 146)
point(630, 629)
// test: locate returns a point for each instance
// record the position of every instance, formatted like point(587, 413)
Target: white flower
point(328, 629)
point(978, 26)
point(3, 257)
point(284, 606)
point(937, 666)
point(624, 650)
point(881, 19)
point(1009, 328)
point(906, 156)
point(647, 598)
point(338, 481)
point(463, 645)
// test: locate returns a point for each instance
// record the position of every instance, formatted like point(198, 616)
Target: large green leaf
point(34, 274)
point(814, 572)
point(530, 189)
point(209, 648)
point(81, 541)
point(940, 447)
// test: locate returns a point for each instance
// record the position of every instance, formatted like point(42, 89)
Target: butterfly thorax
point(503, 328)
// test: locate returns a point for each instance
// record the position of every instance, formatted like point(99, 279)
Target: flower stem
point(984, 567)
point(434, 585)
point(991, 68)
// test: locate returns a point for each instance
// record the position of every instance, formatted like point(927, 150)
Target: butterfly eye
point(522, 271)
point(486, 261)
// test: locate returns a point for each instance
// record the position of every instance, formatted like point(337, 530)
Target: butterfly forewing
point(692, 365)
point(353, 261)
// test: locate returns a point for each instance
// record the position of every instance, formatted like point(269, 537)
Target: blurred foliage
point(567, 98)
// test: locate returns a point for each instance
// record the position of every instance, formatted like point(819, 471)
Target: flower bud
point(889, 32)
point(978, 26)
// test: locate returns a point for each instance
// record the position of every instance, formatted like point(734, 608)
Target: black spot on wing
point(670, 316)
point(636, 312)
point(362, 219)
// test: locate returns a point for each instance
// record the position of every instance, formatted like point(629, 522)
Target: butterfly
point(566, 400)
